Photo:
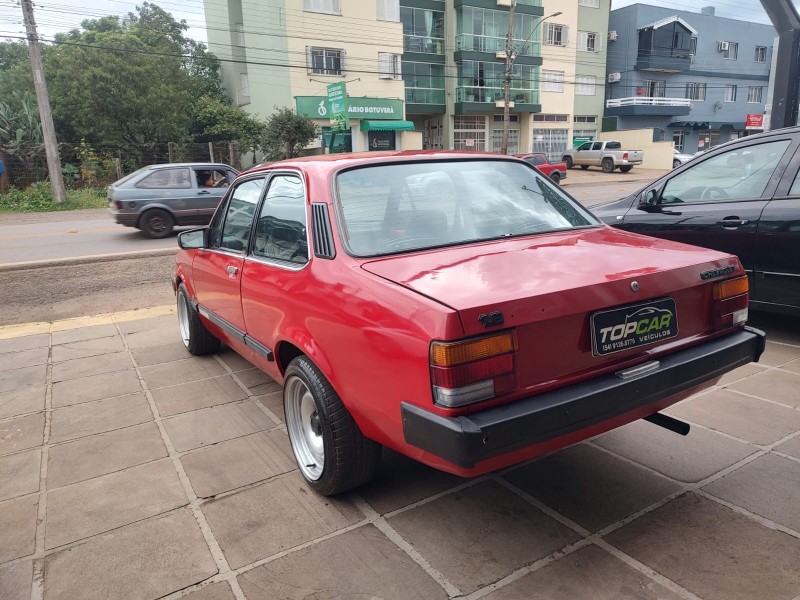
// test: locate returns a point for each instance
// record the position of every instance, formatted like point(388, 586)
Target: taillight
point(472, 370)
point(731, 298)
point(624, 156)
point(117, 204)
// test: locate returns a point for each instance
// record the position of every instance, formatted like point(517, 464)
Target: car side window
point(597, 146)
point(536, 160)
point(238, 216)
point(586, 146)
point(281, 227)
point(795, 191)
point(171, 179)
point(739, 174)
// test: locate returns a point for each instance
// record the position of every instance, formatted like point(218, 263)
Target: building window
point(730, 93)
point(388, 10)
point(244, 86)
point(240, 34)
point(557, 35)
point(655, 88)
point(389, 66)
point(588, 41)
point(587, 135)
point(551, 142)
point(585, 119)
point(552, 81)
point(754, 94)
point(325, 61)
point(696, 91)
point(692, 48)
point(677, 139)
point(480, 81)
point(469, 133)
point(424, 82)
point(731, 52)
point(549, 118)
point(423, 30)
point(330, 7)
point(513, 140)
point(761, 54)
point(584, 85)
point(511, 118)
point(589, 3)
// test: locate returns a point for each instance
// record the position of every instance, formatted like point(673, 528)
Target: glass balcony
point(424, 96)
point(420, 43)
point(493, 44)
point(495, 94)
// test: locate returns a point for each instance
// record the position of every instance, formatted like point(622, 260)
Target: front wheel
point(555, 177)
point(156, 223)
point(568, 161)
point(625, 169)
point(676, 163)
point(331, 452)
point(607, 165)
point(197, 339)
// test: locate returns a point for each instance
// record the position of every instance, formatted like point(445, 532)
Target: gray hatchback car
point(157, 198)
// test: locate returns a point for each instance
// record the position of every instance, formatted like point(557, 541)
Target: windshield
point(398, 207)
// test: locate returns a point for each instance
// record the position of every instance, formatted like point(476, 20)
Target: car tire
point(568, 161)
point(625, 169)
point(331, 452)
point(197, 339)
point(607, 165)
point(156, 223)
point(676, 163)
point(584, 167)
point(556, 178)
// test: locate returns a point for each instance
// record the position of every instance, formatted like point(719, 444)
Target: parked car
point(679, 158)
point(492, 323)
point(555, 171)
point(157, 198)
point(607, 155)
point(742, 197)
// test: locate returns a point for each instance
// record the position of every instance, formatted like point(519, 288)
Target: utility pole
point(43, 100)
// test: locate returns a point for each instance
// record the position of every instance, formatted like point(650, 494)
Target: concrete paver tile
point(99, 416)
point(162, 323)
point(181, 371)
point(22, 378)
point(216, 591)
point(747, 418)
point(264, 388)
point(216, 424)
point(16, 581)
point(196, 395)
point(156, 355)
point(24, 358)
point(587, 574)
point(790, 447)
point(22, 401)
point(274, 516)
point(778, 386)
point(143, 560)
point(690, 459)
point(18, 528)
point(103, 503)
point(87, 348)
point(591, 487)
point(158, 337)
point(80, 334)
point(235, 361)
point(93, 365)
point(25, 342)
point(778, 354)
point(95, 387)
point(740, 373)
point(712, 551)
point(769, 486)
point(793, 366)
point(97, 455)
point(274, 402)
point(21, 433)
point(236, 463)
point(256, 379)
point(509, 531)
point(362, 563)
point(20, 473)
point(401, 481)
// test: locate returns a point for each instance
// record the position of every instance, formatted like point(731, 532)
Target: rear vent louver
point(323, 237)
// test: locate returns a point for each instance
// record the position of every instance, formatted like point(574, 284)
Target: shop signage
point(337, 106)
point(316, 107)
point(754, 121)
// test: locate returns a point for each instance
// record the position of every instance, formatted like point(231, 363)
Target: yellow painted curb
point(23, 329)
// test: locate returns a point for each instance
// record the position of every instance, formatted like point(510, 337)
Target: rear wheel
point(197, 339)
point(568, 161)
point(626, 168)
point(331, 452)
point(556, 177)
point(156, 223)
point(607, 165)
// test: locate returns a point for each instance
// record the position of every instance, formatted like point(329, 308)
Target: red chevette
point(456, 307)
point(557, 171)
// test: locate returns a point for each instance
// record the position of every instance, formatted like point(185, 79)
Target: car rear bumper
point(467, 440)
point(129, 220)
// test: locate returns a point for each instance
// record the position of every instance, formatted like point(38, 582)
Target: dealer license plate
point(619, 329)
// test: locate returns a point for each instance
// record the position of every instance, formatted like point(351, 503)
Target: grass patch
point(39, 198)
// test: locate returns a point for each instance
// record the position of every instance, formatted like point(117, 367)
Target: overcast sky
point(53, 16)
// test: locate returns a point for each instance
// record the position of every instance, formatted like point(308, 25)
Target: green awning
point(387, 126)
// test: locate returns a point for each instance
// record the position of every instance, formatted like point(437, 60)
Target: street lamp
point(511, 56)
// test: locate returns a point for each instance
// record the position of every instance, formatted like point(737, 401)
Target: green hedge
point(39, 198)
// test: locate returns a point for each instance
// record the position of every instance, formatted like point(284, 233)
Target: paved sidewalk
point(129, 469)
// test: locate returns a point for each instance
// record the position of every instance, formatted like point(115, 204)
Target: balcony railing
point(493, 44)
point(420, 43)
point(424, 96)
point(495, 94)
point(647, 101)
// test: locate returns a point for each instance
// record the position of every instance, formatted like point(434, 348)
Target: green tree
point(21, 131)
point(287, 133)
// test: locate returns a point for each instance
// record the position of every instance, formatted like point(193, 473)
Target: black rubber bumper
point(465, 441)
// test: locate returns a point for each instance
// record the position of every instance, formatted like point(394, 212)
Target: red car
point(471, 329)
point(555, 171)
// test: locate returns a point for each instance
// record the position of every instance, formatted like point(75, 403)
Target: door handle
point(203, 192)
point(733, 222)
point(232, 271)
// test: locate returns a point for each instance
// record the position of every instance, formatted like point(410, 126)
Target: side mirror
point(193, 239)
point(650, 199)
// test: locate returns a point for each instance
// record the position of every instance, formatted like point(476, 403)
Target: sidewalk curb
point(80, 260)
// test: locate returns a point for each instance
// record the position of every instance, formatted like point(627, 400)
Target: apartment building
point(691, 77)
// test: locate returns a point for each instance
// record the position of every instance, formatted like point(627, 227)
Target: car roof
point(194, 165)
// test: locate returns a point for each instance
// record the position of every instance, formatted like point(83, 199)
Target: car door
point(217, 269)
point(715, 203)
point(205, 198)
point(582, 153)
point(170, 187)
point(276, 267)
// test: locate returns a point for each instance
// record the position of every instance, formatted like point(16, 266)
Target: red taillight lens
point(624, 156)
point(731, 298)
point(117, 204)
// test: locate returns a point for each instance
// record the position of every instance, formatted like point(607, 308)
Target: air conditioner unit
point(614, 77)
point(723, 46)
point(504, 2)
point(500, 54)
point(612, 36)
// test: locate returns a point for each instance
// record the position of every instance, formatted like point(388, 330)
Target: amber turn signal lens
point(731, 288)
point(448, 354)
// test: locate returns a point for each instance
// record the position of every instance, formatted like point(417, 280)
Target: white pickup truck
point(606, 155)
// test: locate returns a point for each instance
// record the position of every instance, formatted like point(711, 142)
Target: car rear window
point(399, 207)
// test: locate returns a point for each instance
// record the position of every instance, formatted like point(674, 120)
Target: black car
point(743, 198)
